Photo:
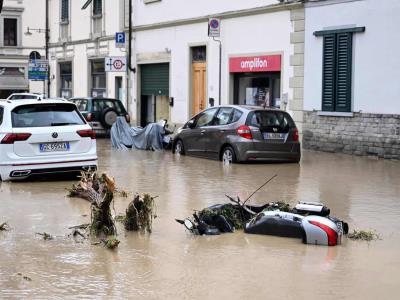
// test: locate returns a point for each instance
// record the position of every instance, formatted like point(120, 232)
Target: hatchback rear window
point(267, 119)
point(44, 115)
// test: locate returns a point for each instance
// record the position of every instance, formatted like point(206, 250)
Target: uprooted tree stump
point(140, 213)
point(99, 191)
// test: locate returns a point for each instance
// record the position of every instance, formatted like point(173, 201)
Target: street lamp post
point(47, 37)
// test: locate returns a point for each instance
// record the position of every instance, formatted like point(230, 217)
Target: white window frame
point(11, 14)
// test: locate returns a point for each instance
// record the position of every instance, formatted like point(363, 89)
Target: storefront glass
point(257, 89)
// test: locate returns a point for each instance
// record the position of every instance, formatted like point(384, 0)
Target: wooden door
point(199, 87)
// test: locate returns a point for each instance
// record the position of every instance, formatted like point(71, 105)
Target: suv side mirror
point(191, 124)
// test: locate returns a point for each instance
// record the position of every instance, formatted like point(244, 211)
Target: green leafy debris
point(363, 235)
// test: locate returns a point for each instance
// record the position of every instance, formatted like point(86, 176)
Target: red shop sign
point(269, 63)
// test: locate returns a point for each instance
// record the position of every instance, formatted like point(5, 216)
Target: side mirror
point(191, 124)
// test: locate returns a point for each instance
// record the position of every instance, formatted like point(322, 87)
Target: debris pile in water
point(111, 243)
point(363, 235)
point(46, 236)
point(4, 227)
point(99, 191)
point(140, 213)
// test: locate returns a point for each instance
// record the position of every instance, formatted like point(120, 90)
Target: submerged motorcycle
point(155, 136)
point(307, 220)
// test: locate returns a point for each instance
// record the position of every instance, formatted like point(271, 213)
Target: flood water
point(172, 264)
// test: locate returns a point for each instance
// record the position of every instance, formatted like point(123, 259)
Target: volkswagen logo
point(275, 129)
point(54, 135)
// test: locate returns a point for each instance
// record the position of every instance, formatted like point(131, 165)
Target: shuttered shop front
point(155, 79)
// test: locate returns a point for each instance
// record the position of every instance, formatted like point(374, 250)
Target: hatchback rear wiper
point(63, 124)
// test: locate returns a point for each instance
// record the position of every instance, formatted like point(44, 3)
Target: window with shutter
point(97, 7)
point(336, 74)
point(337, 68)
point(64, 10)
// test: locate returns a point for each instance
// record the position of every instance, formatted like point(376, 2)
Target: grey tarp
point(148, 138)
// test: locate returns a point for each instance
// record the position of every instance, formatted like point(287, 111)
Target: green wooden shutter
point(155, 79)
point(343, 71)
point(328, 73)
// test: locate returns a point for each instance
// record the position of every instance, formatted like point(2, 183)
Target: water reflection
point(171, 264)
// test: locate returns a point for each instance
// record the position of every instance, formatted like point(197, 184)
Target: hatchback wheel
point(228, 155)
point(178, 149)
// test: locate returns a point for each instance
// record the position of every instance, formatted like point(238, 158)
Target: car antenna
point(264, 184)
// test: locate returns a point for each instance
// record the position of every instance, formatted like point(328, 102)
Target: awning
point(14, 83)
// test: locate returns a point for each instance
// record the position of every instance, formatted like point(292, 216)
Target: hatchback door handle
point(222, 130)
point(203, 131)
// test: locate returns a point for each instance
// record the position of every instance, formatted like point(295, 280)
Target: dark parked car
point(238, 133)
point(101, 113)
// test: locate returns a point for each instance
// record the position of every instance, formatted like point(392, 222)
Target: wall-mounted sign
point(38, 69)
point(268, 63)
point(120, 39)
point(115, 64)
point(214, 27)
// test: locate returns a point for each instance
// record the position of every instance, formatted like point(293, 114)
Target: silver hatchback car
point(239, 133)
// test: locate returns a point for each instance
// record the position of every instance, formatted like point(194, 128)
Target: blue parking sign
point(120, 39)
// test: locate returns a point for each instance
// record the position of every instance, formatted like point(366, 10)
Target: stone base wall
point(363, 134)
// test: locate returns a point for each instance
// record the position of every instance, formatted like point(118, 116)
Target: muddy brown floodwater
point(172, 264)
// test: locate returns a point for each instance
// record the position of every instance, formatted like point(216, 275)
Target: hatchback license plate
point(54, 147)
point(274, 136)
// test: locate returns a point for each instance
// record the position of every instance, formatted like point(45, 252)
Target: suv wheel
point(228, 155)
point(108, 117)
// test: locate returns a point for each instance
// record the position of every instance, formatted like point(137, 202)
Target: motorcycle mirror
point(188, 224)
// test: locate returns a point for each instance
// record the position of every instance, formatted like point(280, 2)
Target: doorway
point(199, 78)
point(154, 98)
point(118, 88)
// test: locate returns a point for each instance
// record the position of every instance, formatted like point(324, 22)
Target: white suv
point(23, 96)
point(44, 136)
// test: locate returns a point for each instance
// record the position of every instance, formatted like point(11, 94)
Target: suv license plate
point(54, 147)
point(274, 136)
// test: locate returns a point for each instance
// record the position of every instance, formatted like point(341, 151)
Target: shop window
point(260, 89)
point(10, 32)
point(64, 11)
point(336, 74)
point(66, 80)
point(98, 75)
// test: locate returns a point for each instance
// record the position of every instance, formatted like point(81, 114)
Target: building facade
point(82, 35)
point(17, 42)
point(351, 95)
point(178, 64)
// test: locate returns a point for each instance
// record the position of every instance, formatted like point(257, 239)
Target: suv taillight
point(10, 138)
point(89, 117)
point(296, 135)
point(245, 132)
point(87, 133)
point(332, 234)
point(127, 118)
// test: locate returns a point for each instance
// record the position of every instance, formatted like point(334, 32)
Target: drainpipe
point(132, 69)
point(47, 37)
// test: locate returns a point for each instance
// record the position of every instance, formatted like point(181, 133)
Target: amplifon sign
point(268, 63)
